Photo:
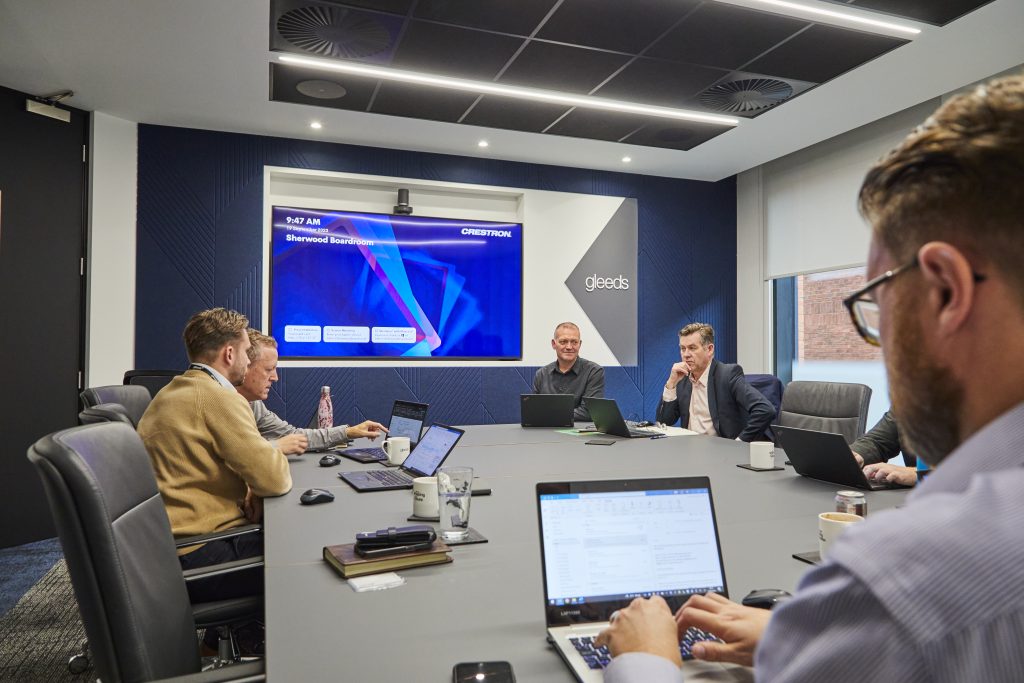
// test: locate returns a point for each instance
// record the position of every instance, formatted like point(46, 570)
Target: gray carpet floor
point(40, 633)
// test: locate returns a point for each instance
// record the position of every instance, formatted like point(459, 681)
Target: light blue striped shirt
point(930, 592)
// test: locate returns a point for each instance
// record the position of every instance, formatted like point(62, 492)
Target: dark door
point(42, 235)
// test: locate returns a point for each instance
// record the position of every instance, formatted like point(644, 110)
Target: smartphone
point(393, 549)
point(486, 672)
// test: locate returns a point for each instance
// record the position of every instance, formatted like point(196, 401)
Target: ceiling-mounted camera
point(402, 208)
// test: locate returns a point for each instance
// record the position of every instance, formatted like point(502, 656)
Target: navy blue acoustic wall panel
point(199, 245)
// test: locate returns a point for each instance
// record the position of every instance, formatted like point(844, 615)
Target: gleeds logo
point(594, 282)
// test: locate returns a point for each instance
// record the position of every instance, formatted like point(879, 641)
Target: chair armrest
point(222, 568)
point(217, 535)
point(243, 672)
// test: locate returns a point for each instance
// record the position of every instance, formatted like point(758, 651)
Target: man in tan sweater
point(211, 464)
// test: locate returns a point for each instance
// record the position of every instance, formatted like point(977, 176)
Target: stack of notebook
point(347, 563)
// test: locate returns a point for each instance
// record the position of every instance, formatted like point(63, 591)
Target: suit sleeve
point(668, 412)
point(880, 443)
point(594, 388)
point(262, 466)
point(759, 411)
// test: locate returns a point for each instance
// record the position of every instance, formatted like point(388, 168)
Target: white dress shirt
point(700, 409)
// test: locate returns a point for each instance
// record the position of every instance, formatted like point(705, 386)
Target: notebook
point(407, 419)
point(824, 456)
point(604, 543)
point(546, 410)
point(437, 443)
point(608, 420)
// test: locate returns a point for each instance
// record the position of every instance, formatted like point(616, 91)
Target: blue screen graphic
point(362, 285)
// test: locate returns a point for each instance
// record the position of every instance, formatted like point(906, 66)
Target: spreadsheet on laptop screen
point(622, 544)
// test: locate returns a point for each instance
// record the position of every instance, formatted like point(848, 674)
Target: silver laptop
point(407, 420)
point(604, 543)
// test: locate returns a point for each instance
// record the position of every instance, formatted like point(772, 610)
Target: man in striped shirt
point(933, 591)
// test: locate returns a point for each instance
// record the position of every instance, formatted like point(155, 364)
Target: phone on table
point(485, 672)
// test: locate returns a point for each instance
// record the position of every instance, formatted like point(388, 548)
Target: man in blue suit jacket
point(715, 398)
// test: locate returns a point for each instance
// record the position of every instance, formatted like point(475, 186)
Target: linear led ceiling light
point(855, 20)
point(487, 88)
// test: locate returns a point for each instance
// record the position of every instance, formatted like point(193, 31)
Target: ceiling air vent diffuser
point(746, 96)
point(334, 32)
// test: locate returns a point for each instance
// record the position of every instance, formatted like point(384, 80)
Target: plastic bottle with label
point(325, 413)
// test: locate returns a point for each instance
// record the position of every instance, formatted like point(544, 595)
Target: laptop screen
point(605, 543)
point(407, 420)
point(433, 448)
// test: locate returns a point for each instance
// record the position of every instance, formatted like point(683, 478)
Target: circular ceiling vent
point(334, 32)
point(747, 95)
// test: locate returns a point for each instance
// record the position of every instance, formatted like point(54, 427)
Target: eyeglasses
point(864, 311)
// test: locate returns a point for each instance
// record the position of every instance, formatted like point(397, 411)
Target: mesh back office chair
point(121, 557)
point(134, 399)
point(834, 407)
point(771, 388)
point(152, 380)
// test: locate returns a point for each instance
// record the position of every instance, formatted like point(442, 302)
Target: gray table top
point(488, 604)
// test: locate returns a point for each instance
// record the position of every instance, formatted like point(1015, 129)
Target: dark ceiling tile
point(285, 79)
point(519, 17)
point(939, 12)
point(623, 26)
point(597, 124)
point(421, 102)
point(652, 81)
point(334, 31)
point(675, 134)
point(821, 53)
point(510, 114)
point(453, 51)
point(392, 6)
point(559, 67)
point(725, 36)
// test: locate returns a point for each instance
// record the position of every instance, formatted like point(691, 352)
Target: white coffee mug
point(397, 448)
point(830, 526)
point(424, 497)
point(762, 455)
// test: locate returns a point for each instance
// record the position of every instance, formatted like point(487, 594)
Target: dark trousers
point(226, 586)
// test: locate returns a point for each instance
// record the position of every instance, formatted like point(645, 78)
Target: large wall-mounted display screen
point(362, 285)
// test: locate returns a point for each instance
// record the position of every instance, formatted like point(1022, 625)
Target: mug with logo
point(830, 526)
point(424, 497)
point(762, 455)
point(397, 448)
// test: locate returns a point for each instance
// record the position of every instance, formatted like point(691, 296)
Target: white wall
point(110, 265)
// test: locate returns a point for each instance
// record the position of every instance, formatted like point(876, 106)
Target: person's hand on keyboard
point(740, 627)
point(645, 626)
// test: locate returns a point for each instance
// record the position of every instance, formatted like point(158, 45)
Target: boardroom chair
point(121, 557)
point(152, 380)
point(772, 389)
point(835, 407)
point(134, 399)
point(105, 412)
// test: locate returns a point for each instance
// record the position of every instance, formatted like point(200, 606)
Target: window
point(815, 340)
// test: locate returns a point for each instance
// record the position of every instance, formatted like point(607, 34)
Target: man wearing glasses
point(569, 373)
point(933, 591)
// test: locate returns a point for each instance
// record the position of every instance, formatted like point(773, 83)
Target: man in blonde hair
point(211, 464)
point(932, 591)
point(255, 388)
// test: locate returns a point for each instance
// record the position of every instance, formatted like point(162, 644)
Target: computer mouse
point(314, 496)
point(329, 460)
point(766, 598)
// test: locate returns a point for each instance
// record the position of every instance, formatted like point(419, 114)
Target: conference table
point(489, 603)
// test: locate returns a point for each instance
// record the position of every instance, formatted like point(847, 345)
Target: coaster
point(417, 518)
point(473, 536)
point(813, 557)
point(758, 469)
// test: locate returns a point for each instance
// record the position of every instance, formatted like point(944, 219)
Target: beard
point(926, 398)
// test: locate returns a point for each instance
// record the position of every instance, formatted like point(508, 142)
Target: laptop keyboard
point(599, 657)
point(389, 477)
point(375, 453)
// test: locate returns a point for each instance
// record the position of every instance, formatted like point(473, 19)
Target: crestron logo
point(594, 282)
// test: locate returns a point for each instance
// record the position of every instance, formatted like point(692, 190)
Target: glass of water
point(454, 491)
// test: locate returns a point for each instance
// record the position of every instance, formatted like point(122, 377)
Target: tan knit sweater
point(205, 449)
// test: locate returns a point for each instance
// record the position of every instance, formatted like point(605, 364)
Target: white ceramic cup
point(424, 497)
point(762, 455)
point(397, 448)
point(830, 526)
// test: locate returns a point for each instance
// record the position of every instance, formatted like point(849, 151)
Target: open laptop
point(824, 456)
point(546, 410)
point(407, 420)
point(604, 543)
point(608, 420)
point(437, 443)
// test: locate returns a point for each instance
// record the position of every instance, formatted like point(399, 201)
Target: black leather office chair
point(121, 557)
point(105, 412)
point(152, 380)
point(772, 389)
point(134, 399)
point(835, 407)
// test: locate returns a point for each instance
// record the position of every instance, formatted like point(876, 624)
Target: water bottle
point(325, 413)
point(922, 470)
